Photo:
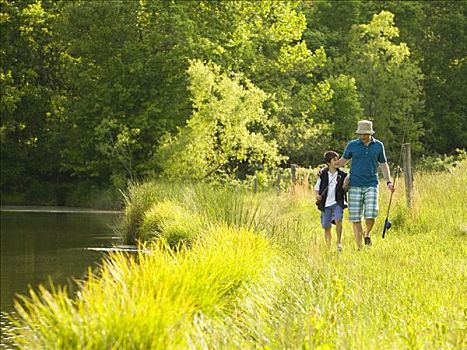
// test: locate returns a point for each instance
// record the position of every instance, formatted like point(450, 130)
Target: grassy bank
point(225, 269)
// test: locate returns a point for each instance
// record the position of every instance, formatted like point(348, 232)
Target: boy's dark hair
point(330, 155)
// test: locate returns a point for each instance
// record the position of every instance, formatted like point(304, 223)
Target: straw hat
point(365, 127)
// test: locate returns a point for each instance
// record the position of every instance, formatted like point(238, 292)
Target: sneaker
point(368, 241)
point(339, 247)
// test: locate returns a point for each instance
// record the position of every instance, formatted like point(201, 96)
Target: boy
point(331, 198)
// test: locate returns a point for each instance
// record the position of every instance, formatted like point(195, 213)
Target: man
point(366, 153)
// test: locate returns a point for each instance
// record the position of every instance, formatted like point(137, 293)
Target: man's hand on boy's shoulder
point(320, 171)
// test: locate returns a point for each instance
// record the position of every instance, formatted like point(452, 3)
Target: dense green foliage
point(253, 271)
point(102, 92)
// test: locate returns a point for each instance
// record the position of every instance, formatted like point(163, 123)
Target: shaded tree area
point(102, 92)
point(31, 85)
point(434, 35)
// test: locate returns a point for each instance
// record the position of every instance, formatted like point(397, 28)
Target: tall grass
point(150, 301)
point(257, 275)
point(148, 205)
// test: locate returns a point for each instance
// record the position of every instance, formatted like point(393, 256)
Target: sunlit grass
point(256, 274)
point(150, 301)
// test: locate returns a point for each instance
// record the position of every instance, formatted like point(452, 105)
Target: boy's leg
point(339, 235)
point(327, 237)
point(338, 215)
point(339, 231)
point(326, 225)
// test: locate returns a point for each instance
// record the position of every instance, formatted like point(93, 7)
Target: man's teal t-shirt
point(365, 160)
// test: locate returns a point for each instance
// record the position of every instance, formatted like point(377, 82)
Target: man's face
point(365, 138)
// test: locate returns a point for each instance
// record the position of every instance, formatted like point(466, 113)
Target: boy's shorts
point(334, 212)
point(363, 202)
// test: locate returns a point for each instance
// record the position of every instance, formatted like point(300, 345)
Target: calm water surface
point(38, 244)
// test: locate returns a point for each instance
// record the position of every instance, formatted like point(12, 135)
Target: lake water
point(38, 244)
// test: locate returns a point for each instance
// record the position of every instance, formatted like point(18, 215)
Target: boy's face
point(334, 163)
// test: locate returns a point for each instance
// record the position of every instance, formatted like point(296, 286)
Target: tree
point(388, 82)
point(327, 105)
point(127, 74)
point(329, 23)
point(434, 31)
point(444, 52)
point(227, 132)
point(30, 80)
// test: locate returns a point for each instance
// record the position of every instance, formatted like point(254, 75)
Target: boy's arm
point(317, 195)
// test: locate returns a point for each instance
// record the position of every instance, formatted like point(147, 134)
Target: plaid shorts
point(363, 201)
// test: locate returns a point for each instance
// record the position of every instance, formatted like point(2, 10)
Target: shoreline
point(54, 209)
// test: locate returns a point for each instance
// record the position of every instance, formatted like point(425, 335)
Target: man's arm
point(343, 161)
point(387, 175)
point(345, 184)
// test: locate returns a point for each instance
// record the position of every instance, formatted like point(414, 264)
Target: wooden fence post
point(408, 176)
point(293, 171)
point(255, 184)
point(278, 183)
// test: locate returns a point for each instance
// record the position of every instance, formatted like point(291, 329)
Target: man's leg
point(368, 226)
point(358, 232)
point(371, 211)
point(356, 213)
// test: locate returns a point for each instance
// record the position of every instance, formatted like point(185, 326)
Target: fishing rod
point(387, 222)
